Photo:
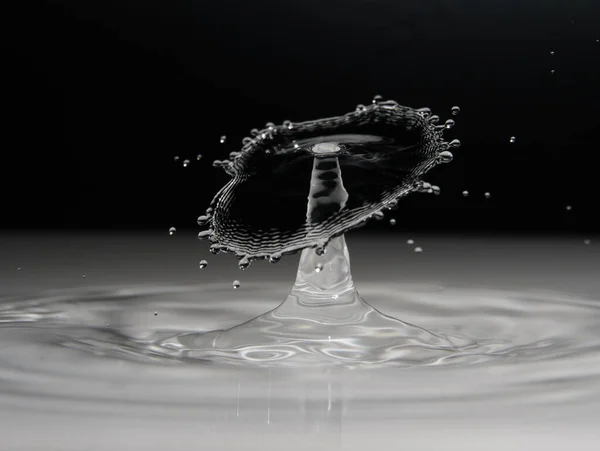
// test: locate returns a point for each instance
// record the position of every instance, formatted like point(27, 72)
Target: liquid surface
point(532, 384)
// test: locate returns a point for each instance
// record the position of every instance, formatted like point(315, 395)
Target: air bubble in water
point(236, 284)
point(392, 221)
point(203, 264)
point(319, 267)
point(512, 139)
point(487, 195)
point(222, 139)
point(418, 250)
point(172, 231)
point(455, 110)
point(186, 163)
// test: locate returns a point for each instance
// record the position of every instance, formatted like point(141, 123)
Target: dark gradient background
point(99, 96)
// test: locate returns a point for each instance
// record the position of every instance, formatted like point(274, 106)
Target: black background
point(98, 97)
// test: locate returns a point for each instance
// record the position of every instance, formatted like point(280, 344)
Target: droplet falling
point(199, 157)
point(465, 193)
point(84, 276)
point(410, 242)
point(487, 195)
point(568, 208)
point(418, 249)
point(244, 263)
point(172, 231)
point(203, 264)
point(319, 267)
point(552, 52)
point(377, 98)
point(392, 221)
point(552, 71)
point(586, 241)
point(186, 163)
point(236, 284)
point(512, 139)
point(176, 158)
point(222, 139)
point(455, 110)
point(274, 258)
point(450, 123)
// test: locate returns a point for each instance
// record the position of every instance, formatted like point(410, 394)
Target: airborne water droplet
point(377, 98)
point(319, 267)
point(360, 108)
point(465, 193)
point(274, 258)
point(176, 158)
point(586, 241)
point(487, 195)
point(199, 157)
point(222, 139)
point(203, 219)
point(512, 139)
point(418, 250)
point(155, 313)
point(244, 263)
point(186, 163)
point(450, 123)
point(436, 190)
point(568, 208)
point(455, 110)
point(172, 231)
point(288, 124)
point(236, 284)
point(392, 221)
point(203, 264)
point(410, 242)
point(247, 140)
point(551, 52)
point(446, 156)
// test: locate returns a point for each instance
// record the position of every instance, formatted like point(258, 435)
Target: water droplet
point(205, 234)
point(203, 264)
point(450, 123)
point(512, 139)
point(176, 158)
point(319, 267)
point(465, 193)
point(377, 98)
point(270, 125)
point(222, 139)
point(214, 249)
point(392, 221)
point(418, 250)
point(203, 219)
point(199, 157)
point(186, 163)
point(360, 108)
point(274, 258)
point(455, 143)
point(172, 231)
point(568, 208)
point(236, 284)
point(487, 195)
point(254, 132)
point(552, 71)
point(436, 190)
point(18, 269)
point(378, 215)
point(551, 52)
point(445, 156)
point(246, 140)
point(410, 242)
point(586, 241)
point(84, 276)
point(244, 263)
point(455, 110)
point(155, 313)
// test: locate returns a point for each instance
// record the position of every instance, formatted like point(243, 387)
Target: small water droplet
point(176, 158)
point(410, 242)
point(236, 284)
point(465, 193)
point(203, 264)
point(450, 123)
point(199, 157)
point(270, 125)
point(172, 231)
point(377, 98)
point(551, 52)
point(274, 258)
point(360, 108)
point(392, 221)
point(246, 140)
point(215, 249)
point(512, 139)
point(455, 110)
point(18, 269)
point(487, 195)
point(445, 156)
point(568, 208)
point(455, 143)
point(155, 313)
point(552, 71)
point(222, 139)
point(378, 215)
point(418, 250)
point(203, 219)
point(84, 276)
point(244, 263)
point(205, 234)
point(586, 241)
point(319, 267)
point(254, 132)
